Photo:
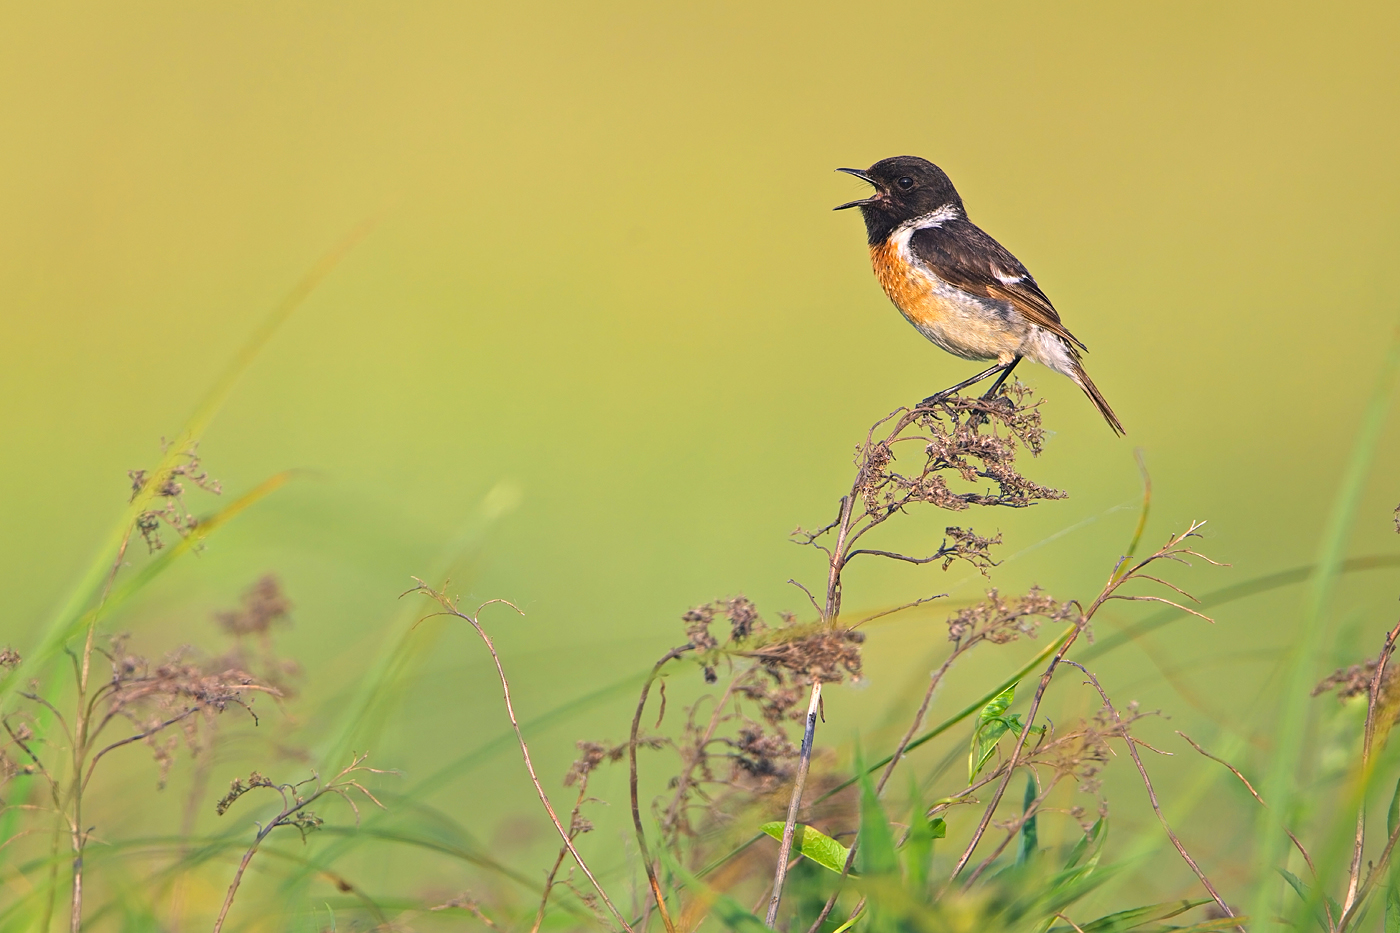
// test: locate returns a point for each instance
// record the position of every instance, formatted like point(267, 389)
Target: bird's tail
point(1082, 379)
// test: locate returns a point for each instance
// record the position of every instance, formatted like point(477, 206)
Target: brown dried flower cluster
point(177, 691)
point(237, 789)
point(262, 606)
point(1355, 681)
point(999, 620)
point(172, 490)
point(955, 445)
point(802, 655)
point(793, 654)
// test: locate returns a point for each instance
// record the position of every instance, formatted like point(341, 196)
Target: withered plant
point(117, 698)
point(296, 812)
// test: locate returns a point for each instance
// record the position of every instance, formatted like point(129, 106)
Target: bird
point(960, 288)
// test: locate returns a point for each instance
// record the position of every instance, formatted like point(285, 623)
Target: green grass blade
point(732, 914)
point(1392, 891)
point(1280, 785)
point(70, 615)
point(1029, 842)
point(409, 644)
point(1125, 920)
point(876, 852)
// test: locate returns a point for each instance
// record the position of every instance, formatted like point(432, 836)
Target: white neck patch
point(936, 218)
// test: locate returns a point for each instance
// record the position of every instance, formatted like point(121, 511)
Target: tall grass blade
point(1392, 890)
point(70, 616)
point(408, 644)
point(1280, 784)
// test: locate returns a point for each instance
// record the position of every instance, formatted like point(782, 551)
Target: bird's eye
point(906, 183)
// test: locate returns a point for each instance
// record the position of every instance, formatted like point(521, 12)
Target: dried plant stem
point(1013, 828)
point(1367, 744)
point(1377, 870)
point(549, 881)
point(1172, 550)
point(1152, 796)
point(1019, 746)
point(836, 560)
point(81, 738)
point(293, 805)
point(804, 763)
point(652, 880)
point(450, 608)
point(934, 680)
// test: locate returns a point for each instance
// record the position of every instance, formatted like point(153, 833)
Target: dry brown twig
point(950, 429)
point(450, 608)
point(1375, 699)
point(995, 621)
point(591, 756)
point(1124, 572)
point(294, 812)
point(1152, 795)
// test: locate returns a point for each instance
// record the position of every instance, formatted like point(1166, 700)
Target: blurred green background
point(608, 327)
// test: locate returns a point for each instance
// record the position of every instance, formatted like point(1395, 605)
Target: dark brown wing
point(961, 254)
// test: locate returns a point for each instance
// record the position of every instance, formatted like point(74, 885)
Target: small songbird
point(959, 287)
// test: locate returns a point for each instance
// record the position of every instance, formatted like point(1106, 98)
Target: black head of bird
point(906, 187)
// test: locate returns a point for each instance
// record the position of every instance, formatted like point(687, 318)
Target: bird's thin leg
point(951, 390)
point(996, 386)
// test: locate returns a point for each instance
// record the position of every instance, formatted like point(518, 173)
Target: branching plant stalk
point(1152, 795)
point(294, 813)
point(1172, 550)
point(872, 489)
point(645, 852)
point(836, 560)
point(450, 608)
point(1367, 763)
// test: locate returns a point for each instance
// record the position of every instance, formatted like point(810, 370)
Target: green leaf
point(1294, 882)
point(1302, 890)
point(992, 724)
point(1094, 837)
point(1125, 920)
point(1028, 835)
point(813, 844)
point(877, 850)
point(1213, 926)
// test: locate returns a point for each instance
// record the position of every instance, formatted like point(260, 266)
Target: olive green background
point(606, 303)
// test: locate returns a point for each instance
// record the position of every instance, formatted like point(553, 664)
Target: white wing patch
point(1007, 278)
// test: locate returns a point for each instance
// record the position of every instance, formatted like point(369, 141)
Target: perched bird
point(959, 287)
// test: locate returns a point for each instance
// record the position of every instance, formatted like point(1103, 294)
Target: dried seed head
point(697, 628)
point(744, 619)
point(237, 789)
point(1000, 620)
point(828, 655)
point(262, 604)
point(1355, 681)
point(168, 487)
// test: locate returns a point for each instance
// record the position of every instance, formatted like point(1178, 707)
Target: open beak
point(865, 177)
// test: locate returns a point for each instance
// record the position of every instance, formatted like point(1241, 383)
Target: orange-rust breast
point(963, 324)
point(910, 290)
